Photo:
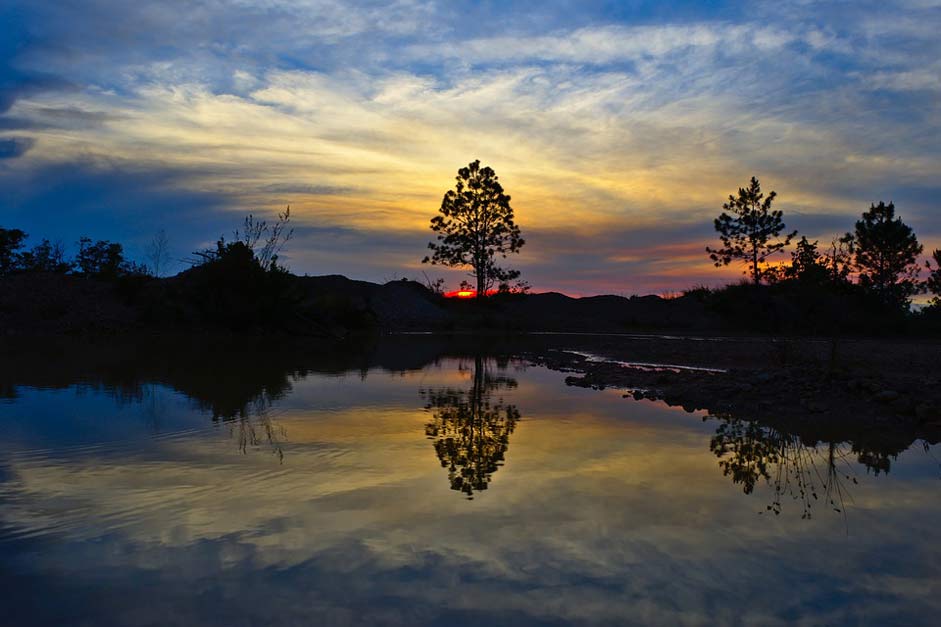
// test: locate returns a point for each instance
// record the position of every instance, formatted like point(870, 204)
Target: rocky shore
point(886, 406)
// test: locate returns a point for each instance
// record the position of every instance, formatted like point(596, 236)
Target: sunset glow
point(617, 131)
point(466, 293)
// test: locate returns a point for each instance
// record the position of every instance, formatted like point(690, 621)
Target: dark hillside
point(205, 300)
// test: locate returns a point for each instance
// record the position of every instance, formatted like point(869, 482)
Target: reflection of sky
point(606, 510)
point(623, 124)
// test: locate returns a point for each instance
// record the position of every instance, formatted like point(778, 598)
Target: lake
point(421, 480)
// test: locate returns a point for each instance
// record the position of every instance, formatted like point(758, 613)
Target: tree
point(839, 258)
point(751, 453)
point(751, 234)
point(101, 259)
point(45, 257)
point(476, 224)
point(276, 237)
point(240, 283)
point(933, 284)
point(11, 240)
point(887, 255)
point(158, 253)
point(471, 433)
point(806, 263)
point(249, 237)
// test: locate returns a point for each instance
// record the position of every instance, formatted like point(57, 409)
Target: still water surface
point(447, 489)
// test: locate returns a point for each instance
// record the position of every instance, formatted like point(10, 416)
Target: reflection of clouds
point(602, 511)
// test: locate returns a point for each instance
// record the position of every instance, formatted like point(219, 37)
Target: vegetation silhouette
point(99, 259)
point(471, 431)
point(861, 283)
point(933, 284)
point(11, 240)
point(886, 255)
point(808, 474)
point(806, 462)
point(46, 257)
point(239, 383)
point(807, 265)
point(750, 231)
point(240, 283)
point(104, 259)
point(476, 225)
point(158, 253)
point(816, 292)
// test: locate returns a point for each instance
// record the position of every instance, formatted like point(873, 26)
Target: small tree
point(11, 240)
point(158, 253)
point(839, 258)
point(476, 224)
point(887, 255)
point(276, 236)
point(751, 233)
point(806, 263)
point(933, 284)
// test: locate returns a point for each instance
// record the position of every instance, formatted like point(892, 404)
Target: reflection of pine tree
point(471, 434)
point(750, 452)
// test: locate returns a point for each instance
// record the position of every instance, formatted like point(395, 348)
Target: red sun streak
point(467, 294)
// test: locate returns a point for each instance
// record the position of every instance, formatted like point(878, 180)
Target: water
point(418, 482)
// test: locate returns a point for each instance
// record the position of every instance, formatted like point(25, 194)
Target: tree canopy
point(474, 227)
point(11, 240)
point(750, 231)
point(886, 255)
point(471, 432)
point(807, 264)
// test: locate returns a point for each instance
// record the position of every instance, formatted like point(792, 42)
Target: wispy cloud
point(358, 115)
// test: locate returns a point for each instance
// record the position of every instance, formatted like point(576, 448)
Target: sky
point(618, 128)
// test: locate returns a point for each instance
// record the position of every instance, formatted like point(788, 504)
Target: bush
point(804, 307)
point(232, 288)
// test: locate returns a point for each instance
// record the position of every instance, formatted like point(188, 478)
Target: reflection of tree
point(750, 452)
point(471, 433)
point(255, 425)
point(238, 392)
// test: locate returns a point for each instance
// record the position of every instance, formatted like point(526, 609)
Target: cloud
point(16, 84)
point(358, 115)
point(11, 148)
point(609, 44)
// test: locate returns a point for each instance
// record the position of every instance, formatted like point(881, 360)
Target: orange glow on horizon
point(466, 293)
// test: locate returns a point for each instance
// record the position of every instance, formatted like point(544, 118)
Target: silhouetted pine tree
point(887, 255)
point(751, 233)
point(475, 226)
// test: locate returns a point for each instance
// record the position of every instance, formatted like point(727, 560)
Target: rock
point(886, 396)
point(815, 407)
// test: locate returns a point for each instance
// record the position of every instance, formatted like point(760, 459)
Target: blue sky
point(618, 127)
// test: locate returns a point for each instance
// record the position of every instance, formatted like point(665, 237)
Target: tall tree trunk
point(754, 268)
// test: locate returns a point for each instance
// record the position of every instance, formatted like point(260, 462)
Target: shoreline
point(883, 409)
